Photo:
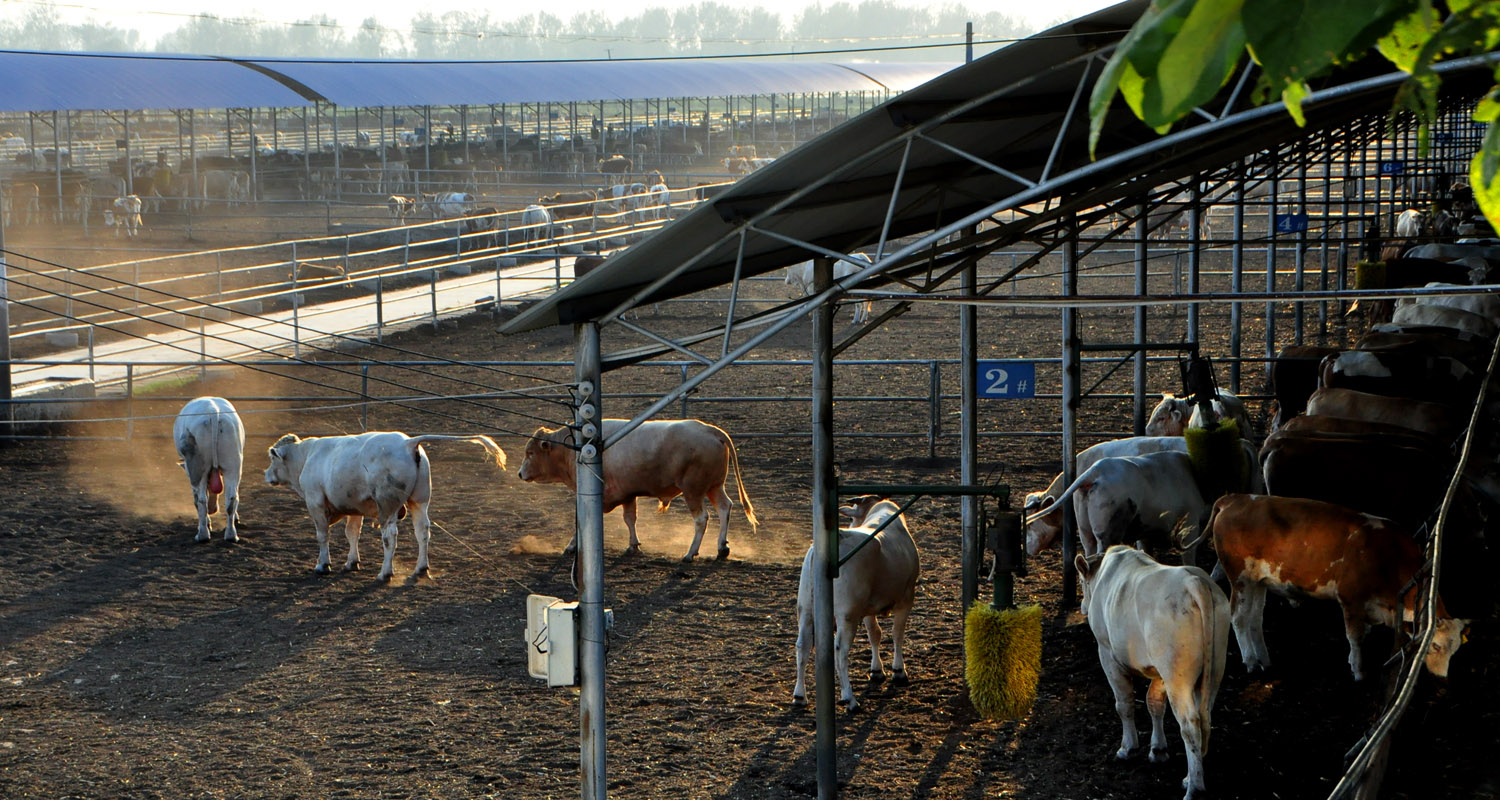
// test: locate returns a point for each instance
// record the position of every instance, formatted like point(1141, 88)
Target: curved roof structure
point(38, 81)
point(1003, 132)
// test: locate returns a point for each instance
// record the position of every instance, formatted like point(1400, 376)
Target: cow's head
point(1042, 530)
point(286, 461)
point(1167, 418)
point(1446, 639)
point(548, 457)
point(1088, 570)
point(858, 508)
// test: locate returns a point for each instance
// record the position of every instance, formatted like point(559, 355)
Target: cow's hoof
point(899, 678)
point(1122, 754)
point(877, 677)
point(352, 567)
point(1157, 755)
point(385, 578)
point(321, 569)
point(633, 550)
point(799, 701)
point(723, 553)
point(202, 537)
point(688, 559)
point(231, 539)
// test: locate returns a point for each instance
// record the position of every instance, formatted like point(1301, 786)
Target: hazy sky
point(154, 17)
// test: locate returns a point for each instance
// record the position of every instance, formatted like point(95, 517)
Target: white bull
point(801, 276)
point(881, 578)
point(1155, 491)
point(1172, 414)
point(381, 474)
point(1169, 625)
point(210, 440)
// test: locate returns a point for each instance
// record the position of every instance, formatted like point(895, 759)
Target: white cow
point(660, 201)
point(127, 215)
point(380, 474)
point(625, 198)
point(1042, 530)
point(1150, 492)
point(801, 276)
point(1169, 625)
point(879, 579)
point(536, 223)
point(1411, 223)
point(1423, 314)
point(1485, 305)
point(210, 440)
point(447, 205)
point(1172, 414)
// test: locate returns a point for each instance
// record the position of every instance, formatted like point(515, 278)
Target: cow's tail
point(494, 451)
point(1078, 483)
point(739, 480)
point(1205, 533)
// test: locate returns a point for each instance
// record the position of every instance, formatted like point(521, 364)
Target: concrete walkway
point(282, 333)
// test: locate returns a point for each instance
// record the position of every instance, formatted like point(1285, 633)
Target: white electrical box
point(552, 639)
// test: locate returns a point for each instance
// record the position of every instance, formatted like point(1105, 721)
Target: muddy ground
point(136, 663)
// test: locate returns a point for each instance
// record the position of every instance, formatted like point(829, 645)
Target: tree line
point(707, 28)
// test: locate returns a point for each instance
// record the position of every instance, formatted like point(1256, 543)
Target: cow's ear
point(545, 445)
point(1176, 415)
point(1082, 565)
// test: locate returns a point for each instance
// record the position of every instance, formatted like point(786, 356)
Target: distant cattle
point(660, 459)
point(380, 474)
point(401, 208)
point(23, 203)
point(569, 205)
point(616, 167)
point(536, 224)
point(210, 440)
point(447, 205)
point(801, 276)
point(1300, 548)
point(879, 579)
point(1169, 625)
point(127, 215)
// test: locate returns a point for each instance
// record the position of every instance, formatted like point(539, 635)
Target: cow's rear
point(210, 440)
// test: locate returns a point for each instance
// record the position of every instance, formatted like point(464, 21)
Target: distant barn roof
point(39, 81)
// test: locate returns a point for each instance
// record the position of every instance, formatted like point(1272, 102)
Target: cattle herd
point(1340, 503)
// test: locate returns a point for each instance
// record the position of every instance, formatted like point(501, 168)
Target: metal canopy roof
point(40, 81)
point(411, 83)
point(1005, 131)
point(122, 81)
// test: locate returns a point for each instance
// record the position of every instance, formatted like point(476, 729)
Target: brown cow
point(569, 205)
point(1363, 473)
point(1294, 377)
point(1297, 547)
point(661, 459)
point(1418, 415)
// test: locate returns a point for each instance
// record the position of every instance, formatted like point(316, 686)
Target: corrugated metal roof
point(121, 81)
point(1006, 109)
point(42, 81)
point(412, 83)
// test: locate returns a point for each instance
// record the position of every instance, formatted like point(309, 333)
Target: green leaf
point(1292, 97)
point(1408, 35)
point(1484, 174)
point(1108, 84)
point(1295, 40)
point(1489, 107)
point(1195, 64)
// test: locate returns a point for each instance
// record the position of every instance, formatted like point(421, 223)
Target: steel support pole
point(6, 414)
point(968, 336)
point(1071, 378)
point(590, 509)
point(825, 534)
point(1271, 263)
point(1141, 281)
point(1195, 254)
point(1299, 312)
point(1237, 281)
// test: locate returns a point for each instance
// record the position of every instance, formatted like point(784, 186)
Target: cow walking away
point(401, 208)
point(127, 215)
point(879, 579)
point(660, 459)
point(380, 474)
point(1169, 625)
point(210, 442)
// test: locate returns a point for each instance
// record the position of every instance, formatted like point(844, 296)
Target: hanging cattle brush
point(1003, 643)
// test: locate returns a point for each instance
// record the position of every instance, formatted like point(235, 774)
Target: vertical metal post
point(338, 157)
point(364, 394)
point(296, 306)
point(683, 376)
point(825, 534)
point(934, 406)
point(379, 308)
point(1275, 166)
point(1195, 254)
point(1141, 284)
point(1327, 231)
point(1071, 376)
point(432, 293)
point(129, 400)
point(6, 411)
point(590, 510)
point(1237, 281)
point(1300, 260)
point(968, 338)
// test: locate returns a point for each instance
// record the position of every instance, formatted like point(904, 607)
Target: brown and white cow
point(1419, 415)
point(1298, 547)
point(401, 208)
point(878, 580)
point(380, 474)
point(660, 459)
point(1169, 625)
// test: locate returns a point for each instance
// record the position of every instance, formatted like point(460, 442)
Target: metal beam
point(590, 509)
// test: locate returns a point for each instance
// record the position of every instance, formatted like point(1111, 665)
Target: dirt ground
point(136, 663)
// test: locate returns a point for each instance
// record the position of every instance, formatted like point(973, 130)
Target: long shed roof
point(43, 81)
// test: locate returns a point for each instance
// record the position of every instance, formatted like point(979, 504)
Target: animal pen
point(994, 156)
point(972, 190)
